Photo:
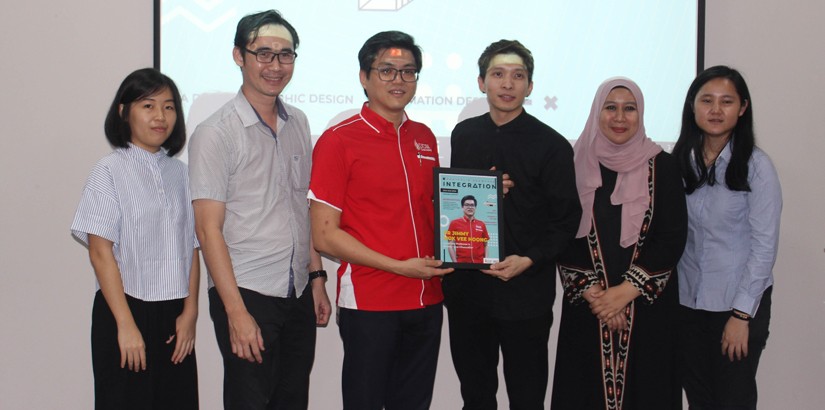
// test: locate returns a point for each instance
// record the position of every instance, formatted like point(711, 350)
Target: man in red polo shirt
point(371, 206)
point(469, 243)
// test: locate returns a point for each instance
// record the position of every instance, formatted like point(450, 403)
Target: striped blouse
point(140, 201)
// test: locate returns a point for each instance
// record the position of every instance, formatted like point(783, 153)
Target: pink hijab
point(628, 159)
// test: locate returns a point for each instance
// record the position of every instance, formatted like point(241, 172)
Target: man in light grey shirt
point(249, 175)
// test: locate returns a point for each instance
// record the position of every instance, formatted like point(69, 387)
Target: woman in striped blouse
point(135, 215)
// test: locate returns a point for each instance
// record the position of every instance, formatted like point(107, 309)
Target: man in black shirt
point(509, 306)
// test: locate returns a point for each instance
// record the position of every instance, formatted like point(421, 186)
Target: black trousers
point(390, 357)
point(288, 329)
point(163, 385)
point(711, 381)
point(475, 339)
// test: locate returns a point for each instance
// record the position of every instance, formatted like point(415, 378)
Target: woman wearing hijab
point(734, 206)
point(618, 329)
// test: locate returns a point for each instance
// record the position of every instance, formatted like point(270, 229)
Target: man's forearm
point(219, 265)
point(344, 246)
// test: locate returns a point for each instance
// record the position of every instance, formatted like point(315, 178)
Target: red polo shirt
point(382, 182)
point(470, 239)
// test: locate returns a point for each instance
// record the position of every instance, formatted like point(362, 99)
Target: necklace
point(710, 159)
point(710, 154)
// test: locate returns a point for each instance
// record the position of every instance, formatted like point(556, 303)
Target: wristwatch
point(317, 274)
point(740, 315)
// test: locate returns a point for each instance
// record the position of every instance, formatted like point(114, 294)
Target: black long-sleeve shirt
point(541, 213)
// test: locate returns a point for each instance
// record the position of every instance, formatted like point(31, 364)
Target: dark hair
point(384, 40)
point(505, 47)
point(135, 87)
point(691, 137)
point(468, 197)
point(248, 26)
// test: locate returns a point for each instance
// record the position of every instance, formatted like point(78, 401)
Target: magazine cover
point(468, 217)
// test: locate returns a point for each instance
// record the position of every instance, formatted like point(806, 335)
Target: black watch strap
point(317, 274)
point(740, 315)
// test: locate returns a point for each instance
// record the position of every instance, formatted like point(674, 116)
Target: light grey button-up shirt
point(263, 178)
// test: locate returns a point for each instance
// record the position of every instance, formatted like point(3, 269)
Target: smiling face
point(265, 80)
point(506, 84)
point(469, 208)
point(717, 108)
point(389, 98)
point(619, 117)
point(152, 120)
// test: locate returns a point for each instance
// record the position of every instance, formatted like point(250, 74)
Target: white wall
point(62, 62)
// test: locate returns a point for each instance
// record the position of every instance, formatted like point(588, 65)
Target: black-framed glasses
point(408, 75)
point(268, 56)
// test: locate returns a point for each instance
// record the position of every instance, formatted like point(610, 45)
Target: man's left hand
point(506, 182)
point(323, 309)
point(509, 268)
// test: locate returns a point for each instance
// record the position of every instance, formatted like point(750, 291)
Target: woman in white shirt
point(136, 217)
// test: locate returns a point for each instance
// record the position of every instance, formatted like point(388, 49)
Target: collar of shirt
point(139, 153)
point(511, 126)
point(379, 123)
point(724, 157)
point(721, 161)
point(250, 117)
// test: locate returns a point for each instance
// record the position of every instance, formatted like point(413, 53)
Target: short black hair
point(467, 198)
point(248, 26)
point(135, 87)
point(382, 41)
point(506, 47)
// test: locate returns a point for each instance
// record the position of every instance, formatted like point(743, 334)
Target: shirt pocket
point(734, 212)
point(301, 167)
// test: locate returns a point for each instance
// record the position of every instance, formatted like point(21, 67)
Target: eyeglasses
point(408, 75)
point(268, 56)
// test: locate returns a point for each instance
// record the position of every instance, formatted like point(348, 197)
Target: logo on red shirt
point(423, 147)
